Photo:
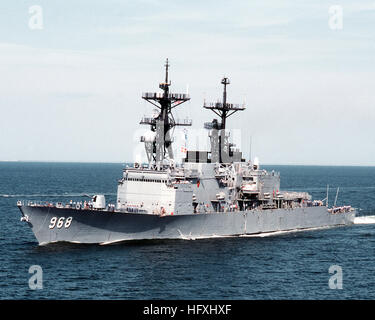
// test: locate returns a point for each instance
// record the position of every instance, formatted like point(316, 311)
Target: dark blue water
point(289, 266)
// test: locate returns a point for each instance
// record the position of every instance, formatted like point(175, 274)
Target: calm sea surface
point(288, 266)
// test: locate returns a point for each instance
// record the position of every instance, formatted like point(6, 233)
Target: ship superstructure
point(213, 193)
point(217, 180)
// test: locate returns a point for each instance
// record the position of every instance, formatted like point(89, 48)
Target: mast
point(224, 109)
point(337, 194)
point(158, 144)
point(220, 144)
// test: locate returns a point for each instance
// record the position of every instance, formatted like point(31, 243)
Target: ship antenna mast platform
point(220, 145)
point(224, 109)
point(160, 147)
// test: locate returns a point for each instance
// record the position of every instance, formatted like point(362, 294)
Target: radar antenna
point(223, 109)
point(159, 146)
point(219, 140)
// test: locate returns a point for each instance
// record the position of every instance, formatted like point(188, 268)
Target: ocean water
point(286, 266)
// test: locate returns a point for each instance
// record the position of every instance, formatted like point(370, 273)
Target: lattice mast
point(159, 147)
point(224, 110)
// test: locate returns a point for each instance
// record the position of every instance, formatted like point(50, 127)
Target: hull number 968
point(60, 222)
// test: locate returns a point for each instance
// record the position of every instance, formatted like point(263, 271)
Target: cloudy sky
point(71, 83)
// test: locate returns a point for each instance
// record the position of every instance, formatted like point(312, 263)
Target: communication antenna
point(327, 196)
point(337, 194)
point(224, 110)
point(159, 147)
point(250, 149)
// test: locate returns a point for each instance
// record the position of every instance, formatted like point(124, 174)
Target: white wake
point(364, 220)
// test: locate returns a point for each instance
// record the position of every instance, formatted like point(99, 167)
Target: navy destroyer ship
point(213, 193)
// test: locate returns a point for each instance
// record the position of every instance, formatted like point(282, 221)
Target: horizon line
point(128, 162)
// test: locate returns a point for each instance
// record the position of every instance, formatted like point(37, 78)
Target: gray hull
point(103, 227)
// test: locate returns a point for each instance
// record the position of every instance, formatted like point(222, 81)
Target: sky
point(71, 79)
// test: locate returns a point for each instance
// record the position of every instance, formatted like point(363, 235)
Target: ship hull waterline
point(51, 224)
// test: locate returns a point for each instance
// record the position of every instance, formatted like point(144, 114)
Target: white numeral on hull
point(59, 223)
